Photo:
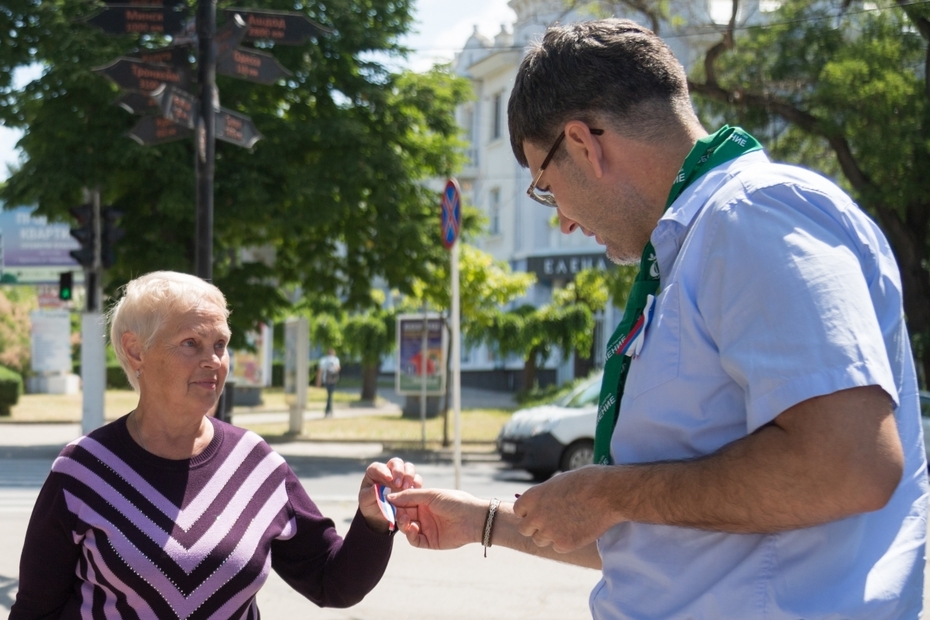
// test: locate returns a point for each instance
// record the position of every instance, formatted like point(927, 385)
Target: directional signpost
point(236, 129)
point(137, 20)
point(281, 27)
point(260, 67)
point(158, 81)
point(134, 75)
point(152, 130)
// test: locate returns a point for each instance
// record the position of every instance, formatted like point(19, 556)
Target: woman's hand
point(397, 475)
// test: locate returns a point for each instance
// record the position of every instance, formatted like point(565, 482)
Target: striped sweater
point(118, 532)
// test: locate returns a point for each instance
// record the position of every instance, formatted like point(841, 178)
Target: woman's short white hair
point(149, 301)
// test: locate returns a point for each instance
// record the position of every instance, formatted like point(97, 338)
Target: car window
point(586, 396)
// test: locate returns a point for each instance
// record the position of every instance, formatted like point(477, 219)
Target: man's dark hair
point(610, 70)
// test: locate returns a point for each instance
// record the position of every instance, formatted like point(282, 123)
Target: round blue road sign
point(451, 213)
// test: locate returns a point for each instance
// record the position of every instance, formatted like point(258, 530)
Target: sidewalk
point(41, 431)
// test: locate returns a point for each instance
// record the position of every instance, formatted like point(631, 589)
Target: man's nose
point(567, 225)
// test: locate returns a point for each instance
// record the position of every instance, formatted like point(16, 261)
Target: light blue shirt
point(775, 288)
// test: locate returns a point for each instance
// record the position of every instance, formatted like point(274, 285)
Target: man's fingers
point(411, 497)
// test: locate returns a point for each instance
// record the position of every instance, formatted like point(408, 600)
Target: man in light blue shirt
point(759, 415)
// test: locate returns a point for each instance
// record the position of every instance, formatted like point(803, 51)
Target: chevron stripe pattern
point(173, 539)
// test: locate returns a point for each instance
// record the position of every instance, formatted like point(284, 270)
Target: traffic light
point(110, 234)
point(65, 286)
point(84, 233)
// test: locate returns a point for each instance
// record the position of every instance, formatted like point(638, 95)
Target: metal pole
point(424, 361)
point(93, 342)
point(205, 136)
point(456, 370)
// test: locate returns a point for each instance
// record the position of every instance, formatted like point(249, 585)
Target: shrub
point(11, 386)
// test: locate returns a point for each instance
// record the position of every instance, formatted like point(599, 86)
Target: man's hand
point(568, 511)
point(438, 518)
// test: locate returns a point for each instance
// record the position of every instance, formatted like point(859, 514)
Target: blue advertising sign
point(451, 213)
point(32, 249)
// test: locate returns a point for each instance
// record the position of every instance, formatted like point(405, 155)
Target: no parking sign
point(451, 213)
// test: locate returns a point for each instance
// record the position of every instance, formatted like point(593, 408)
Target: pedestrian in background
point(758, 446)
point(329, 376)
point(169, 513)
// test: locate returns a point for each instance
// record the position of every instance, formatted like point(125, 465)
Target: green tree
point(334, 189)
point(16, 302)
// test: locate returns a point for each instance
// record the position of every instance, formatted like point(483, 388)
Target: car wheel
point(578, 454)
point(541, 475)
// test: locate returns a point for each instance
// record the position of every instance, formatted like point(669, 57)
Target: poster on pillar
point(413, 358)
point(251, 366)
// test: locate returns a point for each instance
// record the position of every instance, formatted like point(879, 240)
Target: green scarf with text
point(708, 153)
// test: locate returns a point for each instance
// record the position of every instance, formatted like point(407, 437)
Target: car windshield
point(585, 395)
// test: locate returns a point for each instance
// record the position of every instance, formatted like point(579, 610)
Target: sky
point(443, 27)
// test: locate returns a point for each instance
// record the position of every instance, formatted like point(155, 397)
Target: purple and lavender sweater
point(118, 532)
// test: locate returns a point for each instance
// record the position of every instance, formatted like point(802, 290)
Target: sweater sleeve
point(322, 566)
point(48, 565)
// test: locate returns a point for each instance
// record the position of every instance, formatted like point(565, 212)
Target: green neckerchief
point(709, 152)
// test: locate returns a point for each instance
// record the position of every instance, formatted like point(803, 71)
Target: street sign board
point(122, 19)
point(281, 27)
point(168, 4)
point(451, 213)
point(260, 67)
point(137, 103)
point(152, 130)
point(177, 105)
point(229, 35)
point(236, 128)
point(174, 55)
point(133, 74)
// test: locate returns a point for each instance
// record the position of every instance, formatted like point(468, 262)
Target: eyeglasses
point(532, 191)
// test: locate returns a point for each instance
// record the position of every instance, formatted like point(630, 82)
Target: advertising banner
point(253, 368)
point(32, 251)
point(412, 357)
point(51, 341)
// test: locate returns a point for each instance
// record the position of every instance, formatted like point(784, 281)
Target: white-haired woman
point(170, 513)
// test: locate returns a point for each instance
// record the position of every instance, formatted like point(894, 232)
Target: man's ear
point(133, 348)
point(586, 146)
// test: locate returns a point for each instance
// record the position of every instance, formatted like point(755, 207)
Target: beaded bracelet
point(488, 524)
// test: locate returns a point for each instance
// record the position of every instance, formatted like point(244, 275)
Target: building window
point(497, 116)
point(494, 211)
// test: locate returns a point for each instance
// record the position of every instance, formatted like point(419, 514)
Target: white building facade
point(520, 231)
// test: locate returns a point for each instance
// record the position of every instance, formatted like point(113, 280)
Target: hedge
point(11, 386)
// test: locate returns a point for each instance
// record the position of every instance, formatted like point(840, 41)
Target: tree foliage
point(334, 188)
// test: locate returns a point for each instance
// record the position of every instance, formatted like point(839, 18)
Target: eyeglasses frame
point(549, 201)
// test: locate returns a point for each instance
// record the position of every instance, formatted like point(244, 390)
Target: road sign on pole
point(281, 27)
point(138, 20)
point(174, 55)
point(230, 35)
point(176, 105)
point(236, 129)
point(451, 213)
point(151, 130)
point(137, 103)
point(259, 67)
point(133, 74)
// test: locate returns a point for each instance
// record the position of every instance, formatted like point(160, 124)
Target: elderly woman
point(170, 513)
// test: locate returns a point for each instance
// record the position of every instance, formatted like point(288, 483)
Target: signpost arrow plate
point(260, 67)
point(121, 19)
point(176, 105)
point(236, 128)
point(281, 27)
point(133, 74)
point(137, 103)
point(229, 35)
point(174, 55)
point(152, 130)
point(167, 4)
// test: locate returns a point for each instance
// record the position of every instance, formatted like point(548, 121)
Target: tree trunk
point(370, 381)
point(529, 371)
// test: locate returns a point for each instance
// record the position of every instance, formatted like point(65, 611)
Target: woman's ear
point(133, 348)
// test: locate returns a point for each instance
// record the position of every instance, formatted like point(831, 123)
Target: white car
point(549, 438)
